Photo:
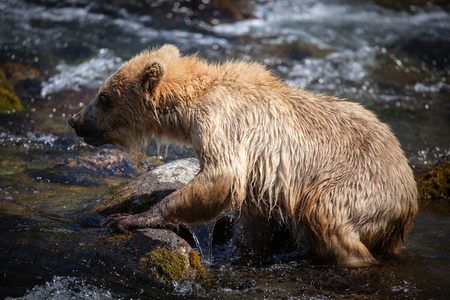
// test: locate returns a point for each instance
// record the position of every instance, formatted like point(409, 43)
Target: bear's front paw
point(117, 222)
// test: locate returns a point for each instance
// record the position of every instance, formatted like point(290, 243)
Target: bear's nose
point(72, 123)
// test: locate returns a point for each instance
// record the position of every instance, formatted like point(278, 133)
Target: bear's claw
point(117, 222)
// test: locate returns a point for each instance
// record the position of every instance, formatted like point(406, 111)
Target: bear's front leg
point(199, 202)
point(123, 222)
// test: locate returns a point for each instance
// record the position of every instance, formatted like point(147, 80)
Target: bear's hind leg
point(392, 244)
point(342, 248)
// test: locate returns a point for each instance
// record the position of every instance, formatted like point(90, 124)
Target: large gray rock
point(159, 253)
point(142, 193)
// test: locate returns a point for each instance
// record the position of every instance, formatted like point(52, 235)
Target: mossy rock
point(169, 266)
point(8, 98)
point(436, 184)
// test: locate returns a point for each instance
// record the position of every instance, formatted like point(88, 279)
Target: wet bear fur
point(269, 152)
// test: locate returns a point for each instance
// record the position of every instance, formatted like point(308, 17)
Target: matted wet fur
point(326, 166)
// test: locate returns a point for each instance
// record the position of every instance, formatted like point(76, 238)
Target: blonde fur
point(326, 165)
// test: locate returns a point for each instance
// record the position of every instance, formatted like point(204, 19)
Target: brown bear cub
point(327, 167)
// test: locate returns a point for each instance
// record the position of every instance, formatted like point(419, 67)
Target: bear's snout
point(78, 125)
point(72, 122)
point(87, 130)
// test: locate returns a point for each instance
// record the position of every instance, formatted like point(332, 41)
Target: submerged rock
point(106, 162)
point(91, 170)
point(146, 190)
point(87, 170)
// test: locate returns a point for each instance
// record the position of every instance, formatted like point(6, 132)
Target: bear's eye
point(104, 100)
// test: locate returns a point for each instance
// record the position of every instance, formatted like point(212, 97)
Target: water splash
point(62, 287)
point(203, 236)
point(31, 140)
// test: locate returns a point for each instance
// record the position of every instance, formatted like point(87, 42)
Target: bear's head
point(123, 112)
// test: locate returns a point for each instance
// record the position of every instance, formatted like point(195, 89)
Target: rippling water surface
point(396, 62)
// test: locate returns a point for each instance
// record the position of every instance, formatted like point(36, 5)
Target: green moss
point(436, 184)
point(169, 266)
point(172, 266)
point(8, 99)
point(194, 260)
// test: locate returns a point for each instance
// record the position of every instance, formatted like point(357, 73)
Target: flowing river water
point(393, 60)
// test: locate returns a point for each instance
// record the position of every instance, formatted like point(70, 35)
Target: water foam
point(330, 72)
point(90, 74)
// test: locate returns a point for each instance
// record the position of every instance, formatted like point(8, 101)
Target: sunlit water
point(395, 62)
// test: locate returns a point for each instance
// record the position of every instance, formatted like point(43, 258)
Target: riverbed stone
point(156, 254)
point(149, 188)
point(93, 169)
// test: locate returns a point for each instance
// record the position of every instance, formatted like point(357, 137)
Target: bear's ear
point(152, 73)
point(170, 49)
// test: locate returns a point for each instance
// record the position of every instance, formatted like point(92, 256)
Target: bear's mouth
point(93, 140)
